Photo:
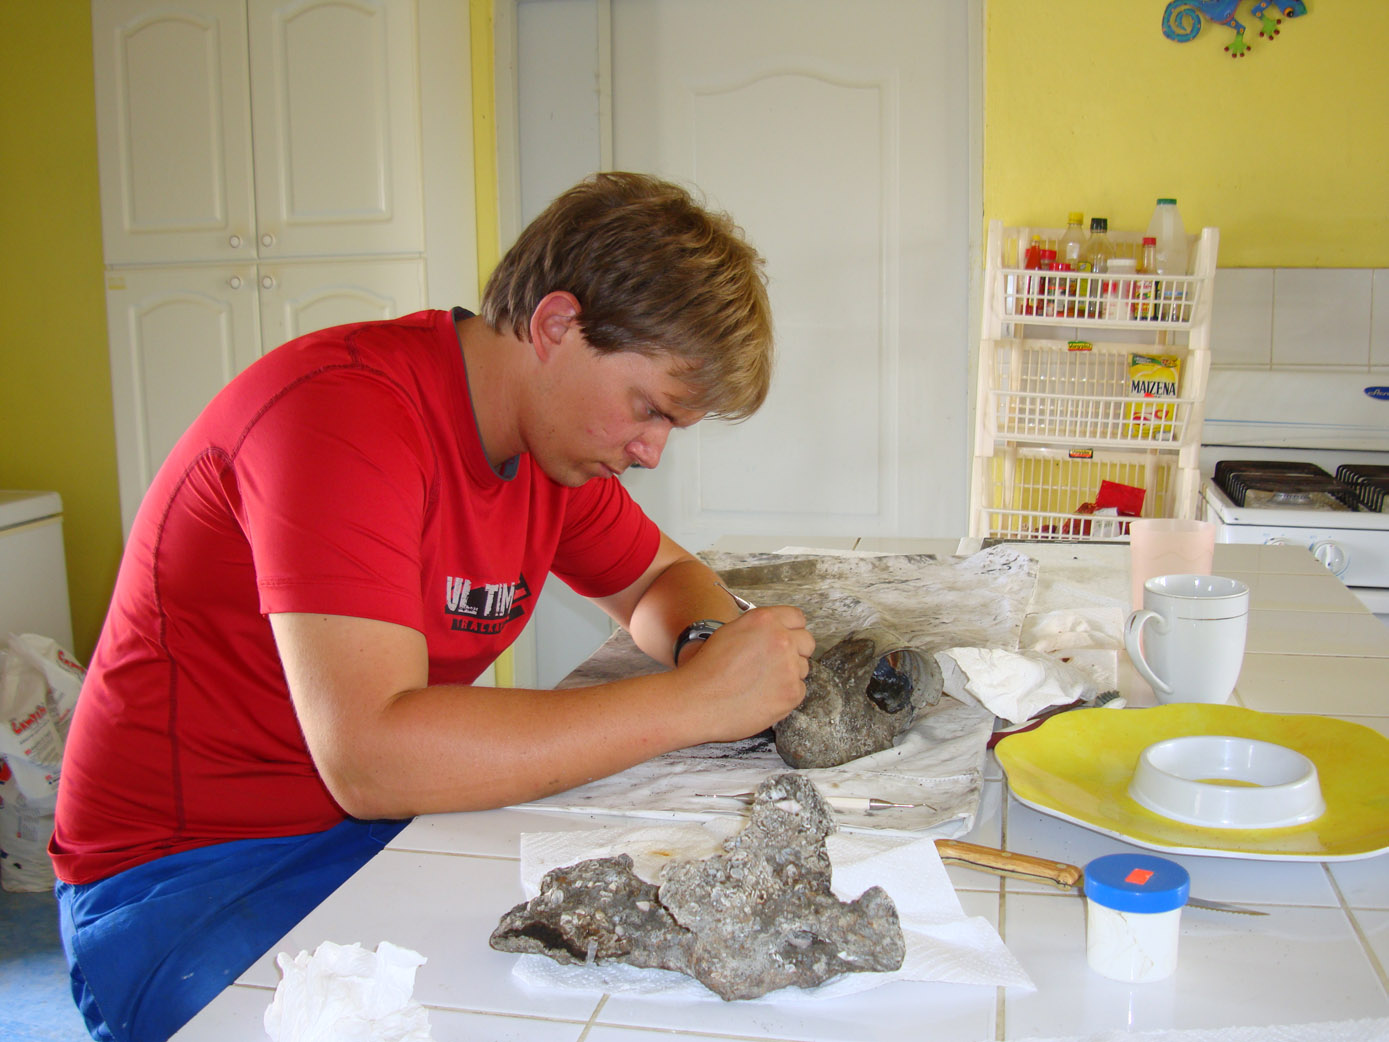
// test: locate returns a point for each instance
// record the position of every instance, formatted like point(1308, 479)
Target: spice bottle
point(1145, 287)
point(1032, 261)
point(1099, 251)
point(1047, 285)
point(1118, 289)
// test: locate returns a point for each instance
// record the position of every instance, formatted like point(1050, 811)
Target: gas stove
point(1341, 516)
point(1302, 494)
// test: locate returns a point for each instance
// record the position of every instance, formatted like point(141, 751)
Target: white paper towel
point(344, 993)
point(943, 944)
point(1013, 685)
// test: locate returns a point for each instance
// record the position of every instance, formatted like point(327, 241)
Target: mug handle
point(1132, 629)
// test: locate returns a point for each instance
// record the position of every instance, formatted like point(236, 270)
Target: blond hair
point(654, 272)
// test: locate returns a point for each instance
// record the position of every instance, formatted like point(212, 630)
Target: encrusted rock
point(596, 911)
point(859, 696)
point(757, 917)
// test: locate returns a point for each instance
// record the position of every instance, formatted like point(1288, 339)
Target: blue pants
point(151, 946)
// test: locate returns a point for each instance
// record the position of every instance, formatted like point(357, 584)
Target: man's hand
point(751, 672)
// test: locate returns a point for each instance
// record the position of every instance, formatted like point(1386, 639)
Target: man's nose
point(647, 449)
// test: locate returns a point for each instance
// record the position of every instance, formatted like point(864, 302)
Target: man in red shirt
point(350, 533)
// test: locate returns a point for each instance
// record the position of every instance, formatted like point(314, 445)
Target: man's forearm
point(684, 592)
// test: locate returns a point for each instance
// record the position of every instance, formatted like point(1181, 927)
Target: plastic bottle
point(1167, 229)
point(1099, 251)
point(1071, 249)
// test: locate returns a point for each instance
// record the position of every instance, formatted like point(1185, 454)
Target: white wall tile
point(1321, 316)
point(1242, 317)
point(1379, 320)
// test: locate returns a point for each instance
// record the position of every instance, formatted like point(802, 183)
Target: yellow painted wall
point(1089, 106)
point(56, 427)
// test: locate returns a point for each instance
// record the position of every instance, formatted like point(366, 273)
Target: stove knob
point(1332, 555)
point(1275, 540)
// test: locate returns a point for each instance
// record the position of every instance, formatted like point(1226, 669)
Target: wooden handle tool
point(1038, 869)
point(1006, 863)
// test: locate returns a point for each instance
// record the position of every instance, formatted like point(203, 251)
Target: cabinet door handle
point(267, 282)
point(235, 242)
point(267, 239)
point(234, 282)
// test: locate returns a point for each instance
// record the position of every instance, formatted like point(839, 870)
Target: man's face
point(597, 414)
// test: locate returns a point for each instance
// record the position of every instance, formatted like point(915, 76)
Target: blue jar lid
point(1137, 883)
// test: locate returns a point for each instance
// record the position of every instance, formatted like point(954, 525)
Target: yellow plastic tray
point(1078, 765)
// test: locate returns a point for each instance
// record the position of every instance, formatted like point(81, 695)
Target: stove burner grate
point(1284, 485)
point(1370, 482)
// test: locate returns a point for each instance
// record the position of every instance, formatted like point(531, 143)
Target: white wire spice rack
point(1057, 412)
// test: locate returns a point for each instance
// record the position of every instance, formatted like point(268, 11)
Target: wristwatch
point(701, 630)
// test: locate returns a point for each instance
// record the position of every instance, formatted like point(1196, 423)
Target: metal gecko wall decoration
point(1181, 20)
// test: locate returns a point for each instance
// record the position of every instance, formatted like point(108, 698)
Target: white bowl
point(1227, 783)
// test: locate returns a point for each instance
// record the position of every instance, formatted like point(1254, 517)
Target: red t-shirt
point(343, 474)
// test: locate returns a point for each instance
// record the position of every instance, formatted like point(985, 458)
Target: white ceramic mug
point(1187, 640)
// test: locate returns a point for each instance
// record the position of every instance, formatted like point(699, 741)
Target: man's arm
point(675, 590)
point(388, 745)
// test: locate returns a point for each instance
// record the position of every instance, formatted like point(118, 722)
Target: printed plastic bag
point(25, 829)
point(39, 683)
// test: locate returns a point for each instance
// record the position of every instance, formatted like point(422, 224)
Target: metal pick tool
point(742, 603)
point(835, 801)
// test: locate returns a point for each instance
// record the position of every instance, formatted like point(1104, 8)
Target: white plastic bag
point(60, 670)
point(24, 832)
point(39, 684)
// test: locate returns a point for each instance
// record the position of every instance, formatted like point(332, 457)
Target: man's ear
point(552, 318)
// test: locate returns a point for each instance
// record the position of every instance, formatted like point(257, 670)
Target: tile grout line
point(1359, 931)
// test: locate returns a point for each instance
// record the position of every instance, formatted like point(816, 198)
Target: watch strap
point(701, 630)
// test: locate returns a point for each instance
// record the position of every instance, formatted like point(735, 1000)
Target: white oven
point(1299, 457)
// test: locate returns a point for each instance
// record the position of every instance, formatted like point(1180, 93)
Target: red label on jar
point(1139, 876)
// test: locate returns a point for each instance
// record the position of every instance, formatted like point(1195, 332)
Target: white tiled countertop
point(1319, 955)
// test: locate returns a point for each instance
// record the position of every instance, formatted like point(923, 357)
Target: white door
point(839, 136)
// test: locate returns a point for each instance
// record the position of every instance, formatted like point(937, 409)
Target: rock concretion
point(757, 917)
point(859, 696)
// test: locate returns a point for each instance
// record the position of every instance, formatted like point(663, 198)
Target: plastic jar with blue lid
point(1133, 915)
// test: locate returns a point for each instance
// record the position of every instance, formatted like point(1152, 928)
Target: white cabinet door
point(298, 297)
point(177, 335)
point(335, 91)
point(331, 163)
point(173, 130)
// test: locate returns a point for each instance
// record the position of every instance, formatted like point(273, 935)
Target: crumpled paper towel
point(943, 944)
point(344, 993)
point(1013, 685)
